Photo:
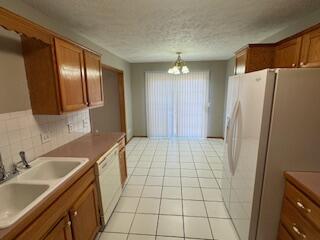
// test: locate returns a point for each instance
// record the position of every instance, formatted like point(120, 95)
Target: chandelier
point(179, 66)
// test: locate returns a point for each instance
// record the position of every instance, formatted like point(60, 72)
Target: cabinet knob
point(293, 65)
point(75, 213)
point(300, 205)
point(69, 223)
point(298, 232)
point(302, 63)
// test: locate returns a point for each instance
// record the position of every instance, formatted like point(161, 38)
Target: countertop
point(308, 182)
point(91, 146)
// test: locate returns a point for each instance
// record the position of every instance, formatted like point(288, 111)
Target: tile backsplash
point(38, 134)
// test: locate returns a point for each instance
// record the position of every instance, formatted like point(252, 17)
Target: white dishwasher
point(108, 172)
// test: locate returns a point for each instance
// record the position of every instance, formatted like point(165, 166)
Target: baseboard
point(143, 136)
point(128, 140)
point(216, 137)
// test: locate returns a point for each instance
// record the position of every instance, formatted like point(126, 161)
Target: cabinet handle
point(75, 213)
point(298, 232)
point(300, 205)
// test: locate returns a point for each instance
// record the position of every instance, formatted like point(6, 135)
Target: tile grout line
point(138, 201)
point(180, 177)
point(165, 164)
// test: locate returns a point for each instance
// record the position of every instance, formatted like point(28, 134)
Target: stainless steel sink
point(18, 198)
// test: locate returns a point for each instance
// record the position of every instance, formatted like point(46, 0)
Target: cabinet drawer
point(283, 234)
point(122, 143)
point(296, 224)
point(303, 204)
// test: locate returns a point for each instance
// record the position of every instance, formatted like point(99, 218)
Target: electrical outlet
point(85, 123)
point(70, 127)
point(45, 137)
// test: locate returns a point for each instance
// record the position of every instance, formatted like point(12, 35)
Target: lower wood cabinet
point(62, 231)
point(73, 216)
point(301, 207)
point(123, 166)
point(283, 234)
point(85, 221)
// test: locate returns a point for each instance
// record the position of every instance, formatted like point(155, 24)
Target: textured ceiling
point(150, 30)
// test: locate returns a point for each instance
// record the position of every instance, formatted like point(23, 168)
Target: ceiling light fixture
point(179, 66)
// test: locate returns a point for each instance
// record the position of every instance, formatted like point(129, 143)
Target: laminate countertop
point(308, 182)
point(91, 146)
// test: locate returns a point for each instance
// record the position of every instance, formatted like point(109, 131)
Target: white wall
point(216, 96)
point(108, 58)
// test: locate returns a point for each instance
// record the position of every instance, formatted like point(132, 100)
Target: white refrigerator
point(272, 126)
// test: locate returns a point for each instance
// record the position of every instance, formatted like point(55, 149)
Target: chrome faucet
point(24, 160)
point(7, 175)
point(3, 173)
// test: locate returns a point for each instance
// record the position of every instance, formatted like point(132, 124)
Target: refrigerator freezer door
point(294, 140)
point(232, 96)
point(247, 130)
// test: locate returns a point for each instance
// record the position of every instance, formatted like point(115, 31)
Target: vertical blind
point(177, 105)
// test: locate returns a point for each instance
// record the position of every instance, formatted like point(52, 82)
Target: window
point(177, 105)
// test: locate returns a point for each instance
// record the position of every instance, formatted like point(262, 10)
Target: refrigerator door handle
point(237, 140)
point(230, 133)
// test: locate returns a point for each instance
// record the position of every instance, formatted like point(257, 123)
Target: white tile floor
point(172, 193)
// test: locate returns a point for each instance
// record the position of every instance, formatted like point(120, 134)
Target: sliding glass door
point(177, 105)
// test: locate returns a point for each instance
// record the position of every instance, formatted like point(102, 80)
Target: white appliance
point(272, 126)
point(108, 172)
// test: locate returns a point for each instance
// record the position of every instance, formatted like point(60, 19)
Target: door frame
point(122, 104)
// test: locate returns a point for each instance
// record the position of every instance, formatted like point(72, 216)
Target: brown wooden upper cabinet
point(300, 50)
point(71, 76)
point(241, 62)
point(62, 76)
point(310, 53)
point(287, 54)
point(93, 73)
point(254, 57)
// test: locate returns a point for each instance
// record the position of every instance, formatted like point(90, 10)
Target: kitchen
point(65, 177)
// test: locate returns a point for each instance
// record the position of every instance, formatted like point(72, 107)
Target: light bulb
point(185, 69)
point(170, 70)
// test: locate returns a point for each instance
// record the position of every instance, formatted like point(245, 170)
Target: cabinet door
point(93, 78)
point(85, 215)
point(287, 54)
point(71, 76)
point(310, 55)
point(241, 61)
point(62, 231)
point(283, 234)
point(123, 166)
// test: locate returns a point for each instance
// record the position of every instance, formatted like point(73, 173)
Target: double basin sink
point(23, 192)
